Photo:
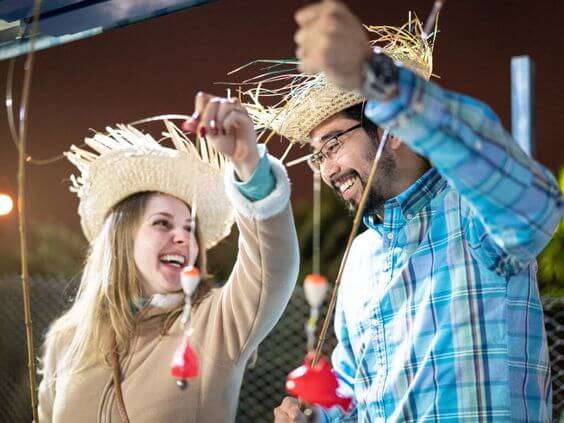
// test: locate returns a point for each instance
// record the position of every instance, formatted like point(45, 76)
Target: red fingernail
point(203, 131)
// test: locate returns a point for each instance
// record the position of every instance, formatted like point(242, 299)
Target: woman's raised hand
point(227, 126)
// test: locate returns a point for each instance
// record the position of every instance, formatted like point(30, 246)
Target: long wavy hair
point(109, 290)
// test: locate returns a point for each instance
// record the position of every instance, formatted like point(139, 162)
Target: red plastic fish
point(184, 364)
point(317, 384)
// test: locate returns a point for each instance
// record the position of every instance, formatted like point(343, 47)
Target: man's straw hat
point(304, 101)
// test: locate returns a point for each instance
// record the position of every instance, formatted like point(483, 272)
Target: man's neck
point(408, 178)
point(398, 187)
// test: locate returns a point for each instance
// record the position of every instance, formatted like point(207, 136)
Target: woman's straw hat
point(126, 161)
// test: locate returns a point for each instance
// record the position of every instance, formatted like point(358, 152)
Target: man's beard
point(374, 203)
point(381, 184)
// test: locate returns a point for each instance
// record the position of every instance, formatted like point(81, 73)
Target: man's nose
point(328, 169)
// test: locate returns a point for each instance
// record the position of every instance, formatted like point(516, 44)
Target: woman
point(108, 357)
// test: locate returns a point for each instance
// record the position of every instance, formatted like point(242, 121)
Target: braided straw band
point(129, 161)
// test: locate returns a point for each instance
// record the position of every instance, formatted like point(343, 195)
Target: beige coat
point(227, 327)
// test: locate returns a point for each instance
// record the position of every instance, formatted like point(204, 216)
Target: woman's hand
point(227, 126)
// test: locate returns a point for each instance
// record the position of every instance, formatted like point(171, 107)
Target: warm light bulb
point(6, 204)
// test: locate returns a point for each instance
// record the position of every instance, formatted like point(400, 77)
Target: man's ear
point(394, 142)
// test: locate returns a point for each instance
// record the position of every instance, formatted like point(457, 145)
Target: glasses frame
point(321, 155)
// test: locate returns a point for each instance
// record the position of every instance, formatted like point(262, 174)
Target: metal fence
point(263, 385)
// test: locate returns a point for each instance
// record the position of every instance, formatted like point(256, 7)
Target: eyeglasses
point(329, 150)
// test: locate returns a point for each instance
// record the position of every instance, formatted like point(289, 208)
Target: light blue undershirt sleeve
point(262, 181)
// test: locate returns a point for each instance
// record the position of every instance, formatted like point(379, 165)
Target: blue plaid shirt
point(438, 316)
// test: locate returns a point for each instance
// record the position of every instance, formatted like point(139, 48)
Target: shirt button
point(418, 107)
point(390, 235)
point(409, 216)
point(478, 145)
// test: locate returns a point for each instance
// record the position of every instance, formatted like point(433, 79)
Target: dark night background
point(157, 66)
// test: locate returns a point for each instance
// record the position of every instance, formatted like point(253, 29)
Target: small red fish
point(316, 384)
point(184, 364)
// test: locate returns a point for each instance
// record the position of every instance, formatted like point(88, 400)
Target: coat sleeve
point(248, 306)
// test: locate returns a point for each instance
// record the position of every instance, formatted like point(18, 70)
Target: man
point(438, 316)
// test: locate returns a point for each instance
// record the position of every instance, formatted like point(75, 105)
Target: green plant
point(551, 260)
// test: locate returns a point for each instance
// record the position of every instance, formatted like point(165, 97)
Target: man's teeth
point(173, 259)
point(346, 185)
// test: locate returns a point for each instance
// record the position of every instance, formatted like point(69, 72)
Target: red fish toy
point(317, 384)
point(184, 364)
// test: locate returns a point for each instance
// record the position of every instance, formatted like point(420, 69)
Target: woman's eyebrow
point(170, 216)
point(161, 214)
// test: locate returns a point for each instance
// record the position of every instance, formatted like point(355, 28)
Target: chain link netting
point(263, 384)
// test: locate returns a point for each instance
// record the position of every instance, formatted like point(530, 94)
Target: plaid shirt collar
point(410, 201)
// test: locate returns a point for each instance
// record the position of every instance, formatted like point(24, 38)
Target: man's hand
point(331, 39)
point(289, 412)
point(228, 127)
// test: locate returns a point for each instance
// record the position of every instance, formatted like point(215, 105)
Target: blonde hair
point(108, 291)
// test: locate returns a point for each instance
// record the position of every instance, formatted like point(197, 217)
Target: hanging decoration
point(315, 284)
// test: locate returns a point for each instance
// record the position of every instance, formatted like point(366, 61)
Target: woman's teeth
point(173, 259)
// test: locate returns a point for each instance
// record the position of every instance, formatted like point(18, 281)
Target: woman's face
point(164, 244)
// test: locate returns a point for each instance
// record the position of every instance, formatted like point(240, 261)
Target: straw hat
point(304, 101)
point(126, 161)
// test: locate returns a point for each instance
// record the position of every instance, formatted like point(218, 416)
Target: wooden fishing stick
point(356, 224)
point(28, 68)
point(431, 20)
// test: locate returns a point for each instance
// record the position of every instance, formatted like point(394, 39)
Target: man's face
point(347, 170)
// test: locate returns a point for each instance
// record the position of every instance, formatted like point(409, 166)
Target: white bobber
point(315, 289)
point(190, 279)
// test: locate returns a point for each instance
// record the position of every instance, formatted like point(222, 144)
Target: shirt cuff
point(269, 206)
point(262, 181)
